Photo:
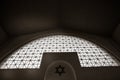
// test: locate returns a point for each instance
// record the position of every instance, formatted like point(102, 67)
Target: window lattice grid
point(30, 55)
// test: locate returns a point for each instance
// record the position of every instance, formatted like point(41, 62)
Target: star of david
point(60, 70)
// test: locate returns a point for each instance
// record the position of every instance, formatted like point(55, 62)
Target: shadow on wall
point(93, 16)
point(27, 16)
point(3, 36)
point(116, 34)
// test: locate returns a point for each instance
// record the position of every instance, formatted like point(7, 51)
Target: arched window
point(30, 55)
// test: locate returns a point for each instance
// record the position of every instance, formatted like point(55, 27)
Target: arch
point(30, 55)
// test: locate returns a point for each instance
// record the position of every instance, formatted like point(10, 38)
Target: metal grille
point(30, 55)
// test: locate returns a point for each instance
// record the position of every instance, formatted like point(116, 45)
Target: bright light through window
point(30, 55)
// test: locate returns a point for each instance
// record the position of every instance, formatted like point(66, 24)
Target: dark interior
point(24, 20)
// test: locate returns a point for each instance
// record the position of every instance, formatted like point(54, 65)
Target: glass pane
point(30, 55)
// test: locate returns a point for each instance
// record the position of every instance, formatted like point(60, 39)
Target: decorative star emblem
point(60, 70)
